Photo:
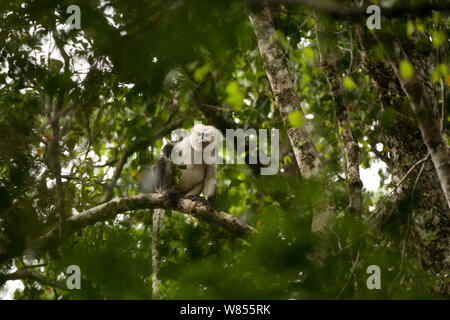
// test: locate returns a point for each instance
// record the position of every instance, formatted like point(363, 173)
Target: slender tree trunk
point(286, 100)
point(429, 125)
point(425, 114)
point(158, 216)
point(53, 156)
point(283, 89)
point(420, 193)
point(329, 64)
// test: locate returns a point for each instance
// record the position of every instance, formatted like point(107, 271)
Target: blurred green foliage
point(137, 66)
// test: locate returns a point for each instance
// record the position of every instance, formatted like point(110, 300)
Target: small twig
point(35, 265)
point(417, 179)
point(107, 164)
point(351, 54)
point(215, 107)
point(70, 177)
point(403, 252)
point(444, 105)
point(352, 270)
point(396, 186)
point(337, 237)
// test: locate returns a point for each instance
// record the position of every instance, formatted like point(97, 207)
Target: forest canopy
point(91, 91)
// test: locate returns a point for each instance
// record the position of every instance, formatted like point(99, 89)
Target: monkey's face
point(202, 136)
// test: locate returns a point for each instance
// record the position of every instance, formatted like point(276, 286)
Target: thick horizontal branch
point(107, 211)
point(30, 275)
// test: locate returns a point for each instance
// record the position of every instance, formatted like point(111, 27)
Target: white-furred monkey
point(189, 165)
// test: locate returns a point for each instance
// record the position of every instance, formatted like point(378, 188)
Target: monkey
point(188, 166)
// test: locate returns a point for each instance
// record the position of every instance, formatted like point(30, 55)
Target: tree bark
point(429, 125)
point(106, 211)
point(286, 100)
point(23, 274)
point(425, 114)
point(283, 89)
point(53, 155)
point(329, 64)
point(158, 216)
point(420, 193)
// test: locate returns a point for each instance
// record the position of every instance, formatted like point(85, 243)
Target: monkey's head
point(202, 136)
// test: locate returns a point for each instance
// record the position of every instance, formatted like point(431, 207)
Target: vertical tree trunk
point(429, 125)
point(328, 61)
point(286, 100)
point(158, 216)
point(54, 155)
point(425, 114)
point(420, 193)
point(283, 89)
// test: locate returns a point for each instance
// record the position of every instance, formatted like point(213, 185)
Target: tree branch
point(379, 206)
point(107, 211)
point(23, 274)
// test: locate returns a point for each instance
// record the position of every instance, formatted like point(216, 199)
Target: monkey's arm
point(210, 183)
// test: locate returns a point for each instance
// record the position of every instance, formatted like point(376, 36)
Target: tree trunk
point(329, 64)
point(429, 125)
point(426, 226)
point(158, 217)
point(286, 100)
point(283, 89)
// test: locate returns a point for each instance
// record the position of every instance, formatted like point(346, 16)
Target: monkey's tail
point(167, 149)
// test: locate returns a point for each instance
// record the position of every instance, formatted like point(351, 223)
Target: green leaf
point(308, 53)
point(235, 96)
point(438, 38)
point(305, 80)
point(410, 28)
point(436, 17)
point(295, 118)
point(201, 72)
point(283, 40)
point(441, 70)
point(388, 117)
point(287, 159)
point(349, 84)
point(406, 70)
point(420, 26)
